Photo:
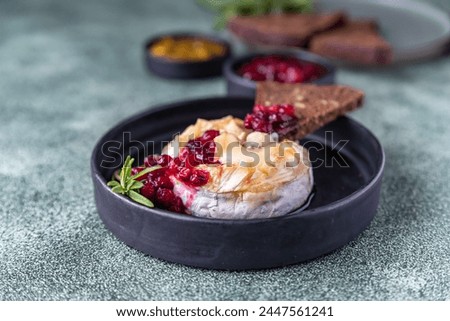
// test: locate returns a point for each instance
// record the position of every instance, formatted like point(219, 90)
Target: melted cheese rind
point(248, 205)
point(256, 178)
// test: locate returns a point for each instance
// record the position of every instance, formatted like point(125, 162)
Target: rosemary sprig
point(129, 185)
point(227, 9)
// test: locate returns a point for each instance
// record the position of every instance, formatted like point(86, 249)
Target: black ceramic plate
point(186, 70)
point(347, 193)
point(240, 86)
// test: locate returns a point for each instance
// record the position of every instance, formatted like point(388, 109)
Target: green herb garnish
point(227, 9)
point(129, 185)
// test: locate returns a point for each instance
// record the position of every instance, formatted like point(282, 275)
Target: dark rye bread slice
point(283, 29)
point(314, 105)
point(358, 41)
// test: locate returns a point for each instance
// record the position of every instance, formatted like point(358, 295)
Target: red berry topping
point(280, 68)
point(156, 173)
point(163, 182)
point(209, 135)
point(177, 206)
point(174, 164)
point(201, 150)
point(199, 177)
point(149, 190)
point(279, 119)
point(165, 197)
point(164, 160)
point(159, 186)
point(184, 174)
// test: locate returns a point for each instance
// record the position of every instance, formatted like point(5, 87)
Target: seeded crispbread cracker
point(357, 41)
point(314, 105)
point(283, 29)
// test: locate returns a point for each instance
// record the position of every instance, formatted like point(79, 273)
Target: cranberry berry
point(163, 182)
point(165, 197)
point(199, 177)
point(149, 191)
point(177, 206)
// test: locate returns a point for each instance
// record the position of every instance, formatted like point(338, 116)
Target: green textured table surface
point(69, 70)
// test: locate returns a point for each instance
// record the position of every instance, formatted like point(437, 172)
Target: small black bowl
point(240, 86)
point(168, 68)
point(347, 192)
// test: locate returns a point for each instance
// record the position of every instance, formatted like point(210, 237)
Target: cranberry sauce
point(278, 119)
point(283, 69)
point(158, 186)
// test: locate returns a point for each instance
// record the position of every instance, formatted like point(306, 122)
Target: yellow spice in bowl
point(186, 49)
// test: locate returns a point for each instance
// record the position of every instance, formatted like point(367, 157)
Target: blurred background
point(70, 70)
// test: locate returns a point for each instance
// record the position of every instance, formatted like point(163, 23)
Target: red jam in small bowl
point(284, 69)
